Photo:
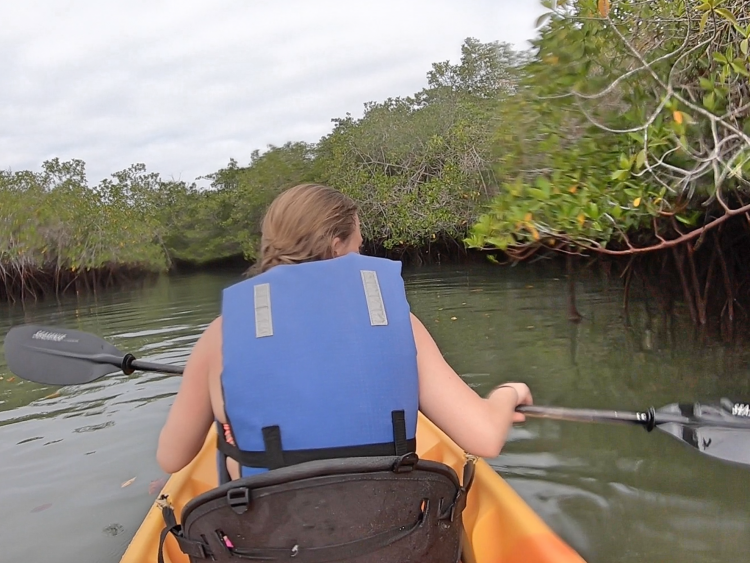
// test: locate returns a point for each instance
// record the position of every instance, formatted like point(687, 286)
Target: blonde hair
point(302, 223)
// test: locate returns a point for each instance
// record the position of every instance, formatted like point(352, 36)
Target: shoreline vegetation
point(621, 137)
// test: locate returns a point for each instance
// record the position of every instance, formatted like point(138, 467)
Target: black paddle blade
point(705, 432)
point(59, 356)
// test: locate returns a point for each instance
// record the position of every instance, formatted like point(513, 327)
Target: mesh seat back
point(363, 510)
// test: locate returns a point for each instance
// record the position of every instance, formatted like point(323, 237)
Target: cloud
point(184, 85)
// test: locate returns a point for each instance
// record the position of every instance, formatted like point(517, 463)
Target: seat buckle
point(456, 508)
point(238, 499)
point(405, 463)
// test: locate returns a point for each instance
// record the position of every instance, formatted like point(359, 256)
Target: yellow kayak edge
point(499, 526)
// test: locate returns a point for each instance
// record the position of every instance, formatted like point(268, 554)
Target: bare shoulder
point(207, 350)
point(422, 338)
point(416, 325)
point(211, 336)
point(214, 328)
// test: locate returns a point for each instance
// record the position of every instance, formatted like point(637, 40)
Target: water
point(68, 456)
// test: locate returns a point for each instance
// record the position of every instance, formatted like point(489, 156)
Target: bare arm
point(191, 414)
point(479, 426)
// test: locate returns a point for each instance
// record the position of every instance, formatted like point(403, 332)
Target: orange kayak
point(500, 527)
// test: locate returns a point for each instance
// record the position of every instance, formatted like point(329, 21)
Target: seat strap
point(223, 471)
point(462, 495)
point(189, 547)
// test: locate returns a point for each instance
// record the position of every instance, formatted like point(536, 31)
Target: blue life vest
point(319, 362)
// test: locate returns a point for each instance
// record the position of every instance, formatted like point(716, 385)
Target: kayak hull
point(499, 526)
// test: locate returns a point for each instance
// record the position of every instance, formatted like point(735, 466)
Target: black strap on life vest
point(275, 456)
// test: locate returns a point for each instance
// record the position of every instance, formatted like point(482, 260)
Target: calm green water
point(616, 494)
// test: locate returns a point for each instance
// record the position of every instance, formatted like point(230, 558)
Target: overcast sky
point(183, 86)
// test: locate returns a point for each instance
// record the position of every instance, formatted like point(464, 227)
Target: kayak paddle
point(721, 431)
point(56, 356)
point(61, 356)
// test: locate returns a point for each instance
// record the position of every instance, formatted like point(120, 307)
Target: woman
point(294, 344)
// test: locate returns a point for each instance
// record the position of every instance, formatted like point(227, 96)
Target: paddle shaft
point(584, 415)
point(649, 418)
point(130, 364)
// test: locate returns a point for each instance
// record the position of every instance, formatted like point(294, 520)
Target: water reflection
point(617, 494)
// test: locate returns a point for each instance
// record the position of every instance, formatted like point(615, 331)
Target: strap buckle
point(462, 495)
point(405, 463)
point(238, 499)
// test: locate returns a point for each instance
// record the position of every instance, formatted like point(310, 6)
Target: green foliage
point(486, 70)
point(245, 193)
point(191, 223)
point(626, 122)
point(418, 165)
point(633, 113)
point(53, 220)
point(404, 165)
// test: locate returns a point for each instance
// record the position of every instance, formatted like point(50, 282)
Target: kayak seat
point(362, 510)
